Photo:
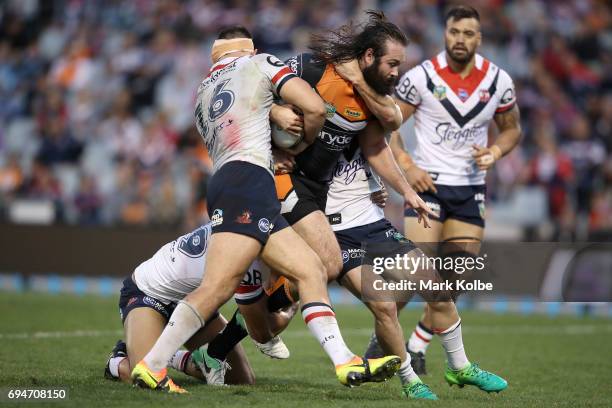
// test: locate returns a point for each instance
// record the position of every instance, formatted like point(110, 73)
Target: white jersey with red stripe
point(177, 268)
point(348, 199)
point(452, 114)
point(233, 106)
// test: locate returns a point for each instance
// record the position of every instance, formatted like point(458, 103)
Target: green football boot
point(418, 390)
point(474, 375)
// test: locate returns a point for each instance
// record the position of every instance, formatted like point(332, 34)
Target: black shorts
point(242, 199)
point(353, 240)
point(463, 203)
point(132, 298)
point(300, 196)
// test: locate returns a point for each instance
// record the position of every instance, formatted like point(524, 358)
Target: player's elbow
point(390, 120)
point(318, 111)
point(314, 112)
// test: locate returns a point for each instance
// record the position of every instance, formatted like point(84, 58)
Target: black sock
point(231, 335)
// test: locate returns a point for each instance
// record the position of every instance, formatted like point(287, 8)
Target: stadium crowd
point(96, 99)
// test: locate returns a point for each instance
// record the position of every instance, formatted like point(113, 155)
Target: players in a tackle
point(232, 115)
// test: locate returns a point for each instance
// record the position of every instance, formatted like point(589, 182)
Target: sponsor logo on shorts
point(264, 225)
point(395, 235)
point(131, 301)
point(148, 300)
point(354, 253)
point(217, 217)
point(245, 218)
point(481, 209)
point(479, 197)
point(345, 257)
point(435, 207)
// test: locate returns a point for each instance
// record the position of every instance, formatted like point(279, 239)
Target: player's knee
point(384, 312)
point(333, 265)
point(441, 307)
point(313, 271)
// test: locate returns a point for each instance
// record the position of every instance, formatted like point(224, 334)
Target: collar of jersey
point(224, 61)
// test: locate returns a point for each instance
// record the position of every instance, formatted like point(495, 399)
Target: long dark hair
point(345, 44)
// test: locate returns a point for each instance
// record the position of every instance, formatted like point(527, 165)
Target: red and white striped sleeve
point(275, 70)
point(505, 90)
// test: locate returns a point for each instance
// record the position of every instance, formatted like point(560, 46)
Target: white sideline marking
point(573, 329)
point(59, 334)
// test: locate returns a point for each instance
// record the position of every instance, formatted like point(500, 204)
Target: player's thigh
point(228, 256)
point(287, 253)
point(425, 238)
point(142, 327)
point(461, 236)
point(316, 231)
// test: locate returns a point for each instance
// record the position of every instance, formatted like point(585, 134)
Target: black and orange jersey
point(347, 115)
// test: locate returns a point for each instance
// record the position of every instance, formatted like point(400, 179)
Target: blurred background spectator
point(96, 100)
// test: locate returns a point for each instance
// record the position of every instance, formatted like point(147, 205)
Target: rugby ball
point(283, 139)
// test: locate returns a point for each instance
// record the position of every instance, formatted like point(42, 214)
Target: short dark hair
point(237, 31)
point(337, 46)
point(460, 12)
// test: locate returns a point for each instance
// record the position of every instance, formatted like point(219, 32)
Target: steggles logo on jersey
point(349, 170)
point(330, 110)
point(484, 95)
point(217, 217)
point(245, 218)
point(439, 92)
point(453, 136)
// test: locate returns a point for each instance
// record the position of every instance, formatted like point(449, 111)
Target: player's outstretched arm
point(509, 125)
point(382, 106)
point(297, 92)
point(378, 154)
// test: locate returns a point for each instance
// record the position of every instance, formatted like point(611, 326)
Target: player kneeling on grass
point(147, 300)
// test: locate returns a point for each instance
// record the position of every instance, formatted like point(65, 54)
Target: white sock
point(321, 321)
point(419, 339)
point(179, 360)
point(406, 373)
point(113, 365)
point(183, 324)
point(452, 341)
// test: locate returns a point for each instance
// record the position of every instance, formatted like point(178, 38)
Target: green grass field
point(63, 341)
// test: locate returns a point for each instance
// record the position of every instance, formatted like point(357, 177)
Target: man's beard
point(460, 59)
point(378, 82)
